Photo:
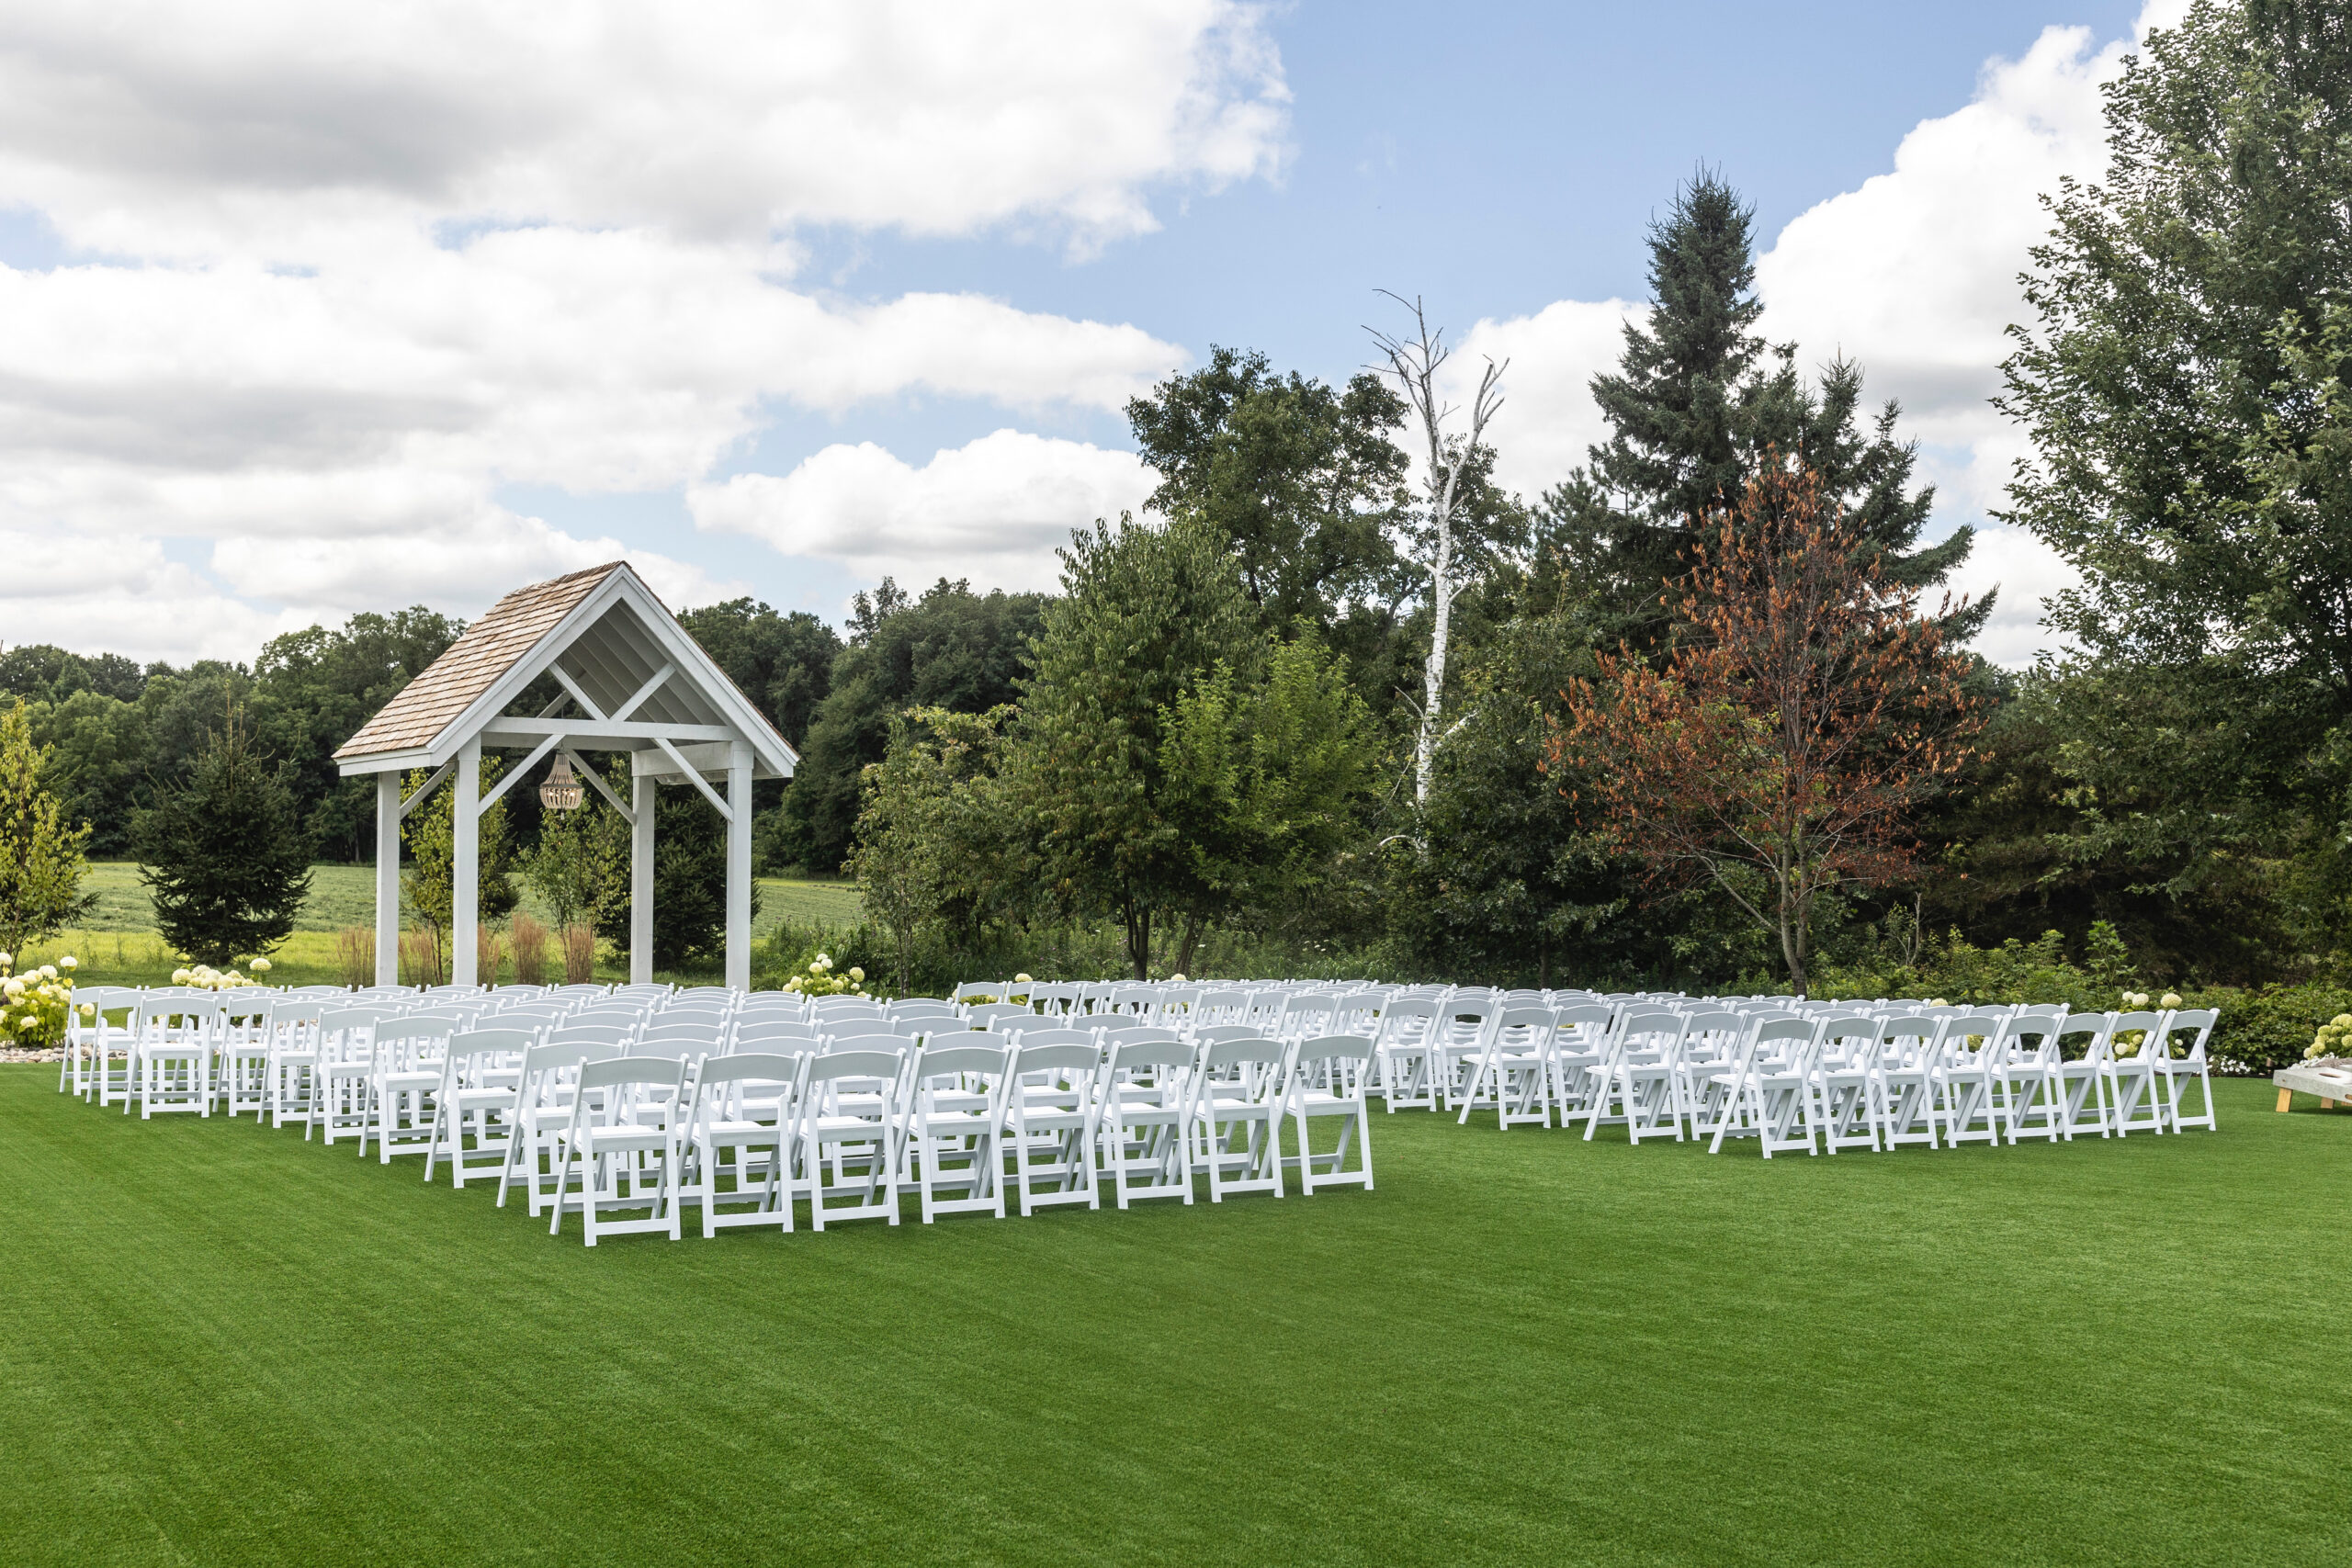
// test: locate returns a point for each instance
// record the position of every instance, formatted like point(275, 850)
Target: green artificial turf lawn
point(223, 1345)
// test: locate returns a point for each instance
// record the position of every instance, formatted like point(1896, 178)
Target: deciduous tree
point(1781, 748)
point(40, 857)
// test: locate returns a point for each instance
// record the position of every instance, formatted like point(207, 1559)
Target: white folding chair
point(1713, 1039)
point(2133, 1104)
point(2175, 1073)
point(172, 1058)
point(952, 1138)
point(1580, 1040)
point(1845, 1080)
point(1144, 1122)
point(613, 1148)
point(1238, 1110)
point(246, 1040)
point(2082, 1080)
point(1463, 1022)
point(543, 1100)
point(1975, 1046)
point(473, 1109)
point(91, 1042)
point(1326, 1082)
point(404, 1071)
point(1050, 1111)
point(848, 1114)
point(293, 1066)
point(1404, 1052)
point(346, 1058)
point(744, 1103)
point(1638, 1077)
point(2030, 1096)
point(1788, 1050)
point(1910, 1079)
point(1514, 1072)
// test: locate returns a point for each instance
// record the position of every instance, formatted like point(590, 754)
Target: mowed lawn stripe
point(225, 1345)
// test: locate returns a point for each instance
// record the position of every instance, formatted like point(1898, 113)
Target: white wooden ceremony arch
point(632, 680)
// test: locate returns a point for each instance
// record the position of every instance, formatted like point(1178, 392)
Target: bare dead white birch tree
point(1414, 362)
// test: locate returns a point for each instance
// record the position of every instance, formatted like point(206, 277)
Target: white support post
point(641, 882)
point(465, 871)
point(738, 866)
point(387, 878)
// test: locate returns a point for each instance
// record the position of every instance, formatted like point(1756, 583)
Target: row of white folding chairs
point(1851, 1079)
point(850, 1125)
point(1462, 1049)
point(258, 1049)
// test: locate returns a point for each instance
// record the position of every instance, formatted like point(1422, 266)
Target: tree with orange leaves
point(1803, 709)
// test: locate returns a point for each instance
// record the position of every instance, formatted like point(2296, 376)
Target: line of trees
point(1697, 717)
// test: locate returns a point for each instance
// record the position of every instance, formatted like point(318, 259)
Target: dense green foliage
point(952, 648)
point(689, 881)
point(41, 863)
point(224, 852)
point(1697, 407)
point(1194, 757)
point(429, 833)
point(2182, 383)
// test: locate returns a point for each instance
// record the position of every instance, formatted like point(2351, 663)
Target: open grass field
point(221, 1344)
point(117, 944)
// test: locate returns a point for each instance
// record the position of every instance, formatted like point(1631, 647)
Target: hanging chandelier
point(563, 791)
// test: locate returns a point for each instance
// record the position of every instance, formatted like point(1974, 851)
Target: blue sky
point(1554, 133)
point(778, 301)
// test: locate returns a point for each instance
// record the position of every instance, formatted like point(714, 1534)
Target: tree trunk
point(1190, 942)
point(1796, 927)
point(1138, 918)
point(1433, 677)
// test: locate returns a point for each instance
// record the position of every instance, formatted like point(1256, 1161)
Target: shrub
point(579, 955)
point(355, 953)
point(530, 939)
point(34, 1006)
point(2262, 1031)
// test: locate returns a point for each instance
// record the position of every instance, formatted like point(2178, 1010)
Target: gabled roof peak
point(605, 635)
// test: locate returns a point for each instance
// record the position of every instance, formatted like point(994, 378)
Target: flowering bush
point(204, 977)
point(818, 980)
point(36, 1006)
point(2330, 1041)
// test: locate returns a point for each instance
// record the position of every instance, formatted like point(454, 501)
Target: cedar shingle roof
point(489, 647)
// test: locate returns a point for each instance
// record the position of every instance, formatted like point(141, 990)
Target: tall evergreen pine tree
point(224, 853)
point(1698, 402)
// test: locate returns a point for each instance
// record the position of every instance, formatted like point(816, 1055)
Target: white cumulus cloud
point(1913, 274)
point(220, 126)
point(994, 510)
point(334, 279)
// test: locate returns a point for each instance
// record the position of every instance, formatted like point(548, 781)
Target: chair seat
point(729, 1132)
point(604, 1139)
